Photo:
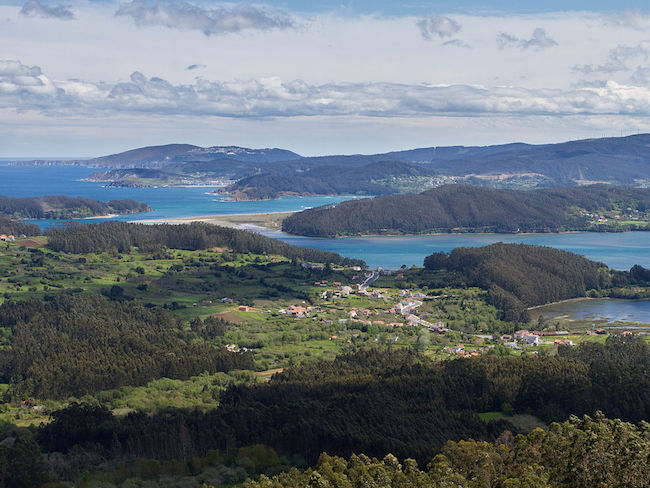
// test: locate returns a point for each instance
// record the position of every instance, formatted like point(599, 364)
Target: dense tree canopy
point(466, 208)
point(72, 345)
point(379, 402)
point(122, 236)
point(16, 228)
point(579, 453)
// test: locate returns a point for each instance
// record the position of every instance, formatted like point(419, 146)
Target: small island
point(63, 207)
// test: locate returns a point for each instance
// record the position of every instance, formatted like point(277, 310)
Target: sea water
point(166, 202)
point(611, 310)
point(616, 250)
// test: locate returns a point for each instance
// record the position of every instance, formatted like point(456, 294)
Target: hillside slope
point(615, 160)
point(622, 160)
point(518, 276)
point(465, 208)
point(371, 179)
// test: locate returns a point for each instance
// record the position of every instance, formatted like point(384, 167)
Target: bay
point(609, 310)
point(32, 181)
point(617, 250)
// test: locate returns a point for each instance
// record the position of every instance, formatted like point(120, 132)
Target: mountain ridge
point(617, 160)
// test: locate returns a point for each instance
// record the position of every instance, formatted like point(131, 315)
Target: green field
point(249, 292)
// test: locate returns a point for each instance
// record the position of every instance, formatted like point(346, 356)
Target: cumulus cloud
point(539, 41)
point(177, 14)
point(28, 88)
point(34, 8)
point(19, 80)
point(438, 25)
point(628, 19)
point(618, 59)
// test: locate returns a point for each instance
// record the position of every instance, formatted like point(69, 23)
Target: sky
point(86, 78)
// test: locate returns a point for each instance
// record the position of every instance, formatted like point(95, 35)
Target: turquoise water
point(31, 181)
point(617, 250)
point(613, 310)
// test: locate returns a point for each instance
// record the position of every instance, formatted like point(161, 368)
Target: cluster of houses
point(369, 293)
point(526, 338)
point(338, 292)
point(404, 307)
point(297, 311)
point(6, 238)
point(410, 294)
point(342, 291)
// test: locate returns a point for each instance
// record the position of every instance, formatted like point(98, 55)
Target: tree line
point(121, 236)
point(377, 402)
point(467, 208)
point(9, 226)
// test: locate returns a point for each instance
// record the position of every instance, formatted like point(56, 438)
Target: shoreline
point(568, 300)
point(259, 219)
point(109, 216)
point(267, 220)
point(581, 299)
point(423, 234)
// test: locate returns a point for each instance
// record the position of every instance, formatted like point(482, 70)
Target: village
point(390, 310)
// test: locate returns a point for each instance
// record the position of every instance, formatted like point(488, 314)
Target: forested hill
point(121, 236)
point(63, 207)
point(379, 402)
point(518, 276)
point(465, 208)
point(73, 345)
point(370, 179)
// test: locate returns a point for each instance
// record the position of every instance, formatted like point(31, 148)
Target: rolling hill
point(615, 160)
point(370, 179)
point(467, 208)
point(159, 156)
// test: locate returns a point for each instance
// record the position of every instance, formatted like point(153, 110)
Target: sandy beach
point(270, 220)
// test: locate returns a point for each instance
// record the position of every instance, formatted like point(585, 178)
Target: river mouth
point(599, 312)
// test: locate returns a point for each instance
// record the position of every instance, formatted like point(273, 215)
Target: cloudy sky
point(86, 78)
